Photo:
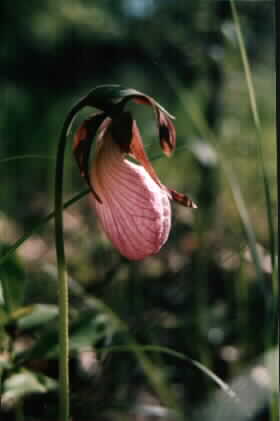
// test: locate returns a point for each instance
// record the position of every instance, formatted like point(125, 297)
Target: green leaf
point(41, 314)
point(12, 279)
point(88, 330)
point(85, 332)
point(23, 383)
point(44, 347)
point(21, 312)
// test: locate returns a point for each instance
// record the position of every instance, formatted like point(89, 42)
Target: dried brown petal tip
point(137, 151)
point(182, 199)
point(166, 129)
point(167, 133)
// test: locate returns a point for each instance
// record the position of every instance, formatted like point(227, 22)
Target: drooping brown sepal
point(167, 132)
point(121, 129)
point(137, 151)
point(82, 145)
point(166, 129)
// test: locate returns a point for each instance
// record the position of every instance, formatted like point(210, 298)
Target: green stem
point(63, 299)
point(62, 284)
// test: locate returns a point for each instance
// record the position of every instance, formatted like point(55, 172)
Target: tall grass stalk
point(202, 127)
point(267, 191)
point(257, 124)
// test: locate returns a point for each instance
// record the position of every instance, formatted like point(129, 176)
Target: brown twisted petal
point(167, 133)
point(80, 140)
point(166, 129)
point(138, 152)
point(182, 199)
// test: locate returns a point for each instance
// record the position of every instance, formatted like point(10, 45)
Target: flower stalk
point(63, 300)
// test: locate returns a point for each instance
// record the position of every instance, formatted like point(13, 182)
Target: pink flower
point(132, 205)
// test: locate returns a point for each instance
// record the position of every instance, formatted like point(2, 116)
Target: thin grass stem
point(257, 123)
point(25, 156)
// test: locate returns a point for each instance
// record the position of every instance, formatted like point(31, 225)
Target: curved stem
point(62, 271)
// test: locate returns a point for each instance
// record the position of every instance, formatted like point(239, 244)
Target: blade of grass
point(257, 124)
point(26, 156)
point(204, 130)
point(155, 348)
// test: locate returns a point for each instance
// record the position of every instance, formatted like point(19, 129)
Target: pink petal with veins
point(135, 212)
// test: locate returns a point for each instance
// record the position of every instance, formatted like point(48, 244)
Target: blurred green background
point(203, 295)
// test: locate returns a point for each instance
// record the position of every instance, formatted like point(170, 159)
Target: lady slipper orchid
point(132, 205)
